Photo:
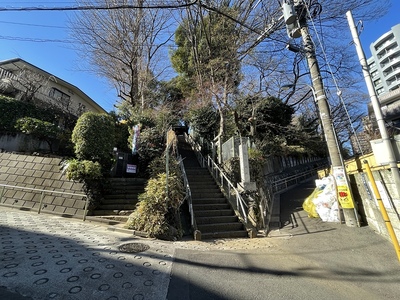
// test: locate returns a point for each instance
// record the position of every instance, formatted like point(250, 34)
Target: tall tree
point(207, 55)
point(123, 45)
point(265, 120)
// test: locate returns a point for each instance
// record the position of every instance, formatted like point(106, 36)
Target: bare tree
point(123, 45)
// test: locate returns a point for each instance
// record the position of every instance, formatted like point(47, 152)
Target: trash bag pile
point(323, 202)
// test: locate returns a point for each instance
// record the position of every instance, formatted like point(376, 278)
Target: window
point(371, 65)
point(81, 108)
point(58, 95)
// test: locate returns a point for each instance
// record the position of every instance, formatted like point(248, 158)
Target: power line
point(100, 7)
point(36, 40)
point(35, 25)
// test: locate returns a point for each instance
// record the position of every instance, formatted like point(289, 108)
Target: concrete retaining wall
point(39, 173)
point(22, 142)
point(369, 208)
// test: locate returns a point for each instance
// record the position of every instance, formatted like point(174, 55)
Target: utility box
point(381, 153)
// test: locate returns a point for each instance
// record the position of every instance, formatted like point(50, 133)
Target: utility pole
point(338, 170)
point(391, 158)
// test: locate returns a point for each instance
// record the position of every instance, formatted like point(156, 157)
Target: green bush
point(11, 110)
point(94, 137)
point(82, 170)
point(151, 146)
point(157, 214)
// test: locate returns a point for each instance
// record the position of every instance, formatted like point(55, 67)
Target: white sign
point(131, 168)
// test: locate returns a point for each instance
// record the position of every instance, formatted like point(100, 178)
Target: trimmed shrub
point(93, 138)
point(82, 170)
point(156, 213)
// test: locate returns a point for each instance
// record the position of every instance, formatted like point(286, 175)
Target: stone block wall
point(368, 205)
point(42, 173)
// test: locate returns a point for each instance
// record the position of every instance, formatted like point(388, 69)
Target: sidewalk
point(48, 257)
point(305, 259)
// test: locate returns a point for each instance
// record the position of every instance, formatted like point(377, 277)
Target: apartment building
point(384, 68)
point(21, 79)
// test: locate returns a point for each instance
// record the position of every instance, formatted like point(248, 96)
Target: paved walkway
point(48, 257)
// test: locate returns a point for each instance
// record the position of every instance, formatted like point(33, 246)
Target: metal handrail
point(288, 181)
point(188, 193)
point(42, 191)
point(217, 172)
point(214, 168)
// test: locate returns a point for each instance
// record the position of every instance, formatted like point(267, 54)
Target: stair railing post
point(86, 208)
point(41, 201)
point(2, 193)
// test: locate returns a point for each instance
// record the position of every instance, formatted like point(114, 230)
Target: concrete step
point(220, 227)
point(198, 174)
point(224, 234)
point(217, 219)
point(133, 197)
point(210, 200)
point(124, 190)
point(204, 186)
point(118, 218)
point(201, 184)
point(117, 207)
point(214, 216)
point(197, 171)
point(111, 212)
point(214, 206)
point(118, 201)
point(213, 213)
point(206, 194)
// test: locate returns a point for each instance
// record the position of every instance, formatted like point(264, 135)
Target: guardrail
point(188, 193)
point(42, 193)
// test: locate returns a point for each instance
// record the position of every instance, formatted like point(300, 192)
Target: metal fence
point(42, 194)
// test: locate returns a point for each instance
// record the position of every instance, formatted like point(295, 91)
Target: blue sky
point(374, 29)
point(26, 35)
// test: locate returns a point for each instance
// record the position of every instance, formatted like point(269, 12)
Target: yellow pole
point(383, 210)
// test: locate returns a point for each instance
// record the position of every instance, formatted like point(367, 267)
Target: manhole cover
point(133, 247)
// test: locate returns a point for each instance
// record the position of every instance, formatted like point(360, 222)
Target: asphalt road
point(48, 257)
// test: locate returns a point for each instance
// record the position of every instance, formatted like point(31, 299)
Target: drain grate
point(133, 247)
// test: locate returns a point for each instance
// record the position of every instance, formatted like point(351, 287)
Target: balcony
point(6, 74)
point(385, 42)
point(392, 69)
point(388, 63)
point(389, 52)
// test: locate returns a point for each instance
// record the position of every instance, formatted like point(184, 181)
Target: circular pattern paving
point(38, 255)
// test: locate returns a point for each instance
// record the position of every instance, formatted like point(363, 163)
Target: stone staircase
point(120, 197)
point(213, 213)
